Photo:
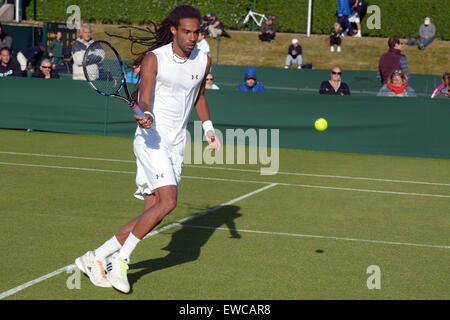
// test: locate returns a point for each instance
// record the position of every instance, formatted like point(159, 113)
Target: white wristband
point(207, 125)
point(150, 114)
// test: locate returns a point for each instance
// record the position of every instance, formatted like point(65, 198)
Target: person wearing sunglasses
point(45, 71)
point(335, 86)
point(210, 82)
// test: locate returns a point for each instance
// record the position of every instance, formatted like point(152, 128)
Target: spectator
point(215, 26)
point(442, 91)
point(427, 32)
point(343, 14)
point(294, 55)
point(55, 49)
point(9, 67)
point(392, 60)
point(397, 86)
point(250, 82)
point(268, 30)
point(336, 37)
point(133, 76)
point(202, 44)
point(210, 82)
point(65, 65)
point(358, 10)
point(204, 24)
point(79, 48)
point(29, 55)
point(5, 39)
point(335, 86)
point(46, 71)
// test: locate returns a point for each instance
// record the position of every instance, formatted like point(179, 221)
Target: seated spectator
point(65, 65)
point(335, 86)
point(250, 82)
point(55, 49)
point(45, 71)
point(5, 39)
point(397, 86)
point(210, 82)
point(9, 67)
point(204, 24)
point(28, 55)
point(215, 26)
point(442, 91)
point(392, 60)
point(336, 37)
point(427, 32)
point(133, 76)
point(294, 55)
point(268, 30)
point(202, 44)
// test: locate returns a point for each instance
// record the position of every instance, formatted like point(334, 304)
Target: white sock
point(128, 247)
point(109, 247)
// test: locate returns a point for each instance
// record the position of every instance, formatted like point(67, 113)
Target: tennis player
point(173, 73)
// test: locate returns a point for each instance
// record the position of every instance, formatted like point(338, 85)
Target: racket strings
point(103, 68)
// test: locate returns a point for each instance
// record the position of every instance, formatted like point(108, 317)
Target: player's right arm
point(149, 70)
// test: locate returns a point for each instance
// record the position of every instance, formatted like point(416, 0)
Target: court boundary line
point(242, 181)
point(234, 169)
point(322, 237)
point(21, 287)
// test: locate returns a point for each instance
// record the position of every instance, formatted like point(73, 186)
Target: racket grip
point(138, 111)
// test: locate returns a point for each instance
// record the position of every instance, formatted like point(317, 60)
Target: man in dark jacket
point(9, 67)
point(45, 71)
point(65, 65)
point(250, 83)
point(392, 60)
point(29, 55)
point(268, 30)
point(5, 39)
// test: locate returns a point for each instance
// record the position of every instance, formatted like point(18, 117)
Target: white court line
point(242, 181)
point(323, 237)
point(162, 229)
point(235, 169)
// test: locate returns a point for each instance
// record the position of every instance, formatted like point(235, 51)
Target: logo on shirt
point(160, 176)
point(195, 76)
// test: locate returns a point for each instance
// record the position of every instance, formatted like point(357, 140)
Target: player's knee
point(169, 204)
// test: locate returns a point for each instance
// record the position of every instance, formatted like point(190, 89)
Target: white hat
point(294, 41)
point(427, 21)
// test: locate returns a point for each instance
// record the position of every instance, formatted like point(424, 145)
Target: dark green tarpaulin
point(362, 124)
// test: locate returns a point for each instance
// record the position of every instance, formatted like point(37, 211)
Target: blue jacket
point(343, 7)
point(257, 87)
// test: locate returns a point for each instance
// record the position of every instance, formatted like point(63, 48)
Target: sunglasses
point(211, 79)
point(46, 67)
point(338, 73)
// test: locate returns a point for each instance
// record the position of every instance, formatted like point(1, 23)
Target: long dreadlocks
point(159, 35)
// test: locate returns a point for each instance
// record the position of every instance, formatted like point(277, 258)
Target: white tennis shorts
point(157, 167)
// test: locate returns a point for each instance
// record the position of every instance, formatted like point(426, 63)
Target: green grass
point(244, 48)
point(275, 244)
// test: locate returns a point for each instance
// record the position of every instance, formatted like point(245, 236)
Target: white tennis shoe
point(117, 273)
point(93, 268)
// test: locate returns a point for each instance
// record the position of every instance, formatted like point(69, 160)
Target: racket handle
point(138, 111)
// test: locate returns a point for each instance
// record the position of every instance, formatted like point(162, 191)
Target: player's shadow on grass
point(186, 243)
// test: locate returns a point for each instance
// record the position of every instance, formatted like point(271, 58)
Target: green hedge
point(402, 18)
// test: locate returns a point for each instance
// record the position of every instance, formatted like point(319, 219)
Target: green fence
point(360, 124)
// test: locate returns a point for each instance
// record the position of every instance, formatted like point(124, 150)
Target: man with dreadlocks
point(172, 75)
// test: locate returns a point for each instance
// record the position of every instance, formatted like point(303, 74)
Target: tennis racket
point(105, 73)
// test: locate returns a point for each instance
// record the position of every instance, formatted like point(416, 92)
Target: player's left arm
point(201, 106)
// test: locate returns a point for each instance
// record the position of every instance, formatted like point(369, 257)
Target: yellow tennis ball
point(321, 124)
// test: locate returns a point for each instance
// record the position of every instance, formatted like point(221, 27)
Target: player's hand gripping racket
point(105, 73)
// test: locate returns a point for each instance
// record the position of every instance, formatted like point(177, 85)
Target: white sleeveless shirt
point(175, 91)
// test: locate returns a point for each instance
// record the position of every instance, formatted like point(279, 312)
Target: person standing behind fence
point(336, 37)
point(294, 55)
point(9, 67)
point(335, 86)
point(343, 14)
point(397, 86)
point(55, 49)
point(78, 49)
point(250, 82)
point(392, 60)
